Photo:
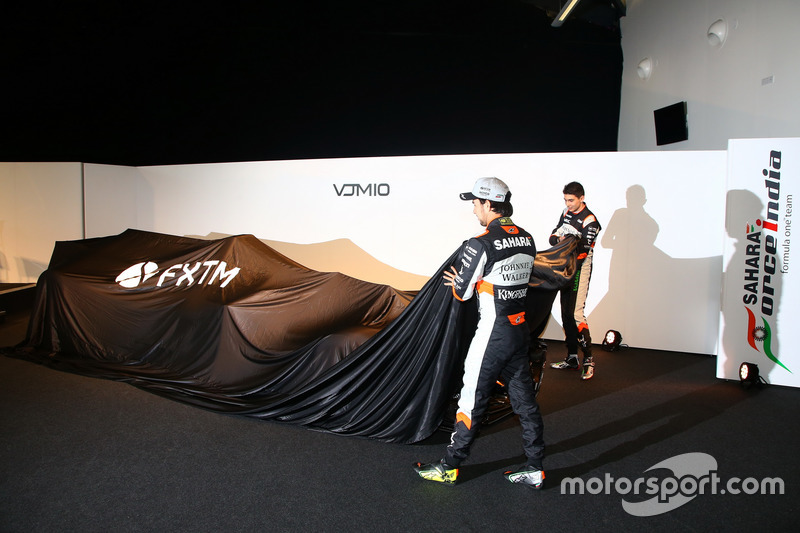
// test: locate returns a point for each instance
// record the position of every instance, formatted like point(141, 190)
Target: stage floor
point(88, 454)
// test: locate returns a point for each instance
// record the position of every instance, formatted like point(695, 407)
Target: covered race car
point(231, 325)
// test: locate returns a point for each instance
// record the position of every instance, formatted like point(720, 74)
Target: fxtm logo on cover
point(198, 273)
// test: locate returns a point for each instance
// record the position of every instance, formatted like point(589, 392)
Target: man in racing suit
point(494, 266)
point(577, 220)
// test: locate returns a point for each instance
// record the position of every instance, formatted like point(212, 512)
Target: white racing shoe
point(528, 476)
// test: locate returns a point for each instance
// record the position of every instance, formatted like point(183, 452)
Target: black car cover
point(231, 325)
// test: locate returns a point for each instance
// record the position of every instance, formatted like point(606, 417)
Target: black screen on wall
point(671, 125)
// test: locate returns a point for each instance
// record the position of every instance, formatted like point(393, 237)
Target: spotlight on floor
point(612, 340)
point(748, 375)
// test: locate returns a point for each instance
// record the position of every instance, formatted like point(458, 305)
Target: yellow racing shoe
point(438, 471)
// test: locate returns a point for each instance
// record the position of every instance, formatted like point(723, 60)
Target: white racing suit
point(496, 266)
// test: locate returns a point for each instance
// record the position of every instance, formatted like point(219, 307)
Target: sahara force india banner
point(760, 282)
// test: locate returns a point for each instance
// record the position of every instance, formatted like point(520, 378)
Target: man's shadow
point(641, 276)
point(671, 418)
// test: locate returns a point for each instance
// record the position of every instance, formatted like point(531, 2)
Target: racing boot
point(587, 372)
point(571, 362)
point(438, 471)
point(585, 341)
point(529, 476)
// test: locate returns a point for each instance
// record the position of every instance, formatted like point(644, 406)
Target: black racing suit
point(496, 266)
point(573, 296)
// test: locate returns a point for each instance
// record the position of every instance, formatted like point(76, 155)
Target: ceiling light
point(564, 13)
point(717, 33)
point(645, 68)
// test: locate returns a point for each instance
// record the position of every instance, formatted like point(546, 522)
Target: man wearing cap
point(495, 266)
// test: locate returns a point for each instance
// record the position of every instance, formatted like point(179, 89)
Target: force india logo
point(761, 270)
point(188, 274)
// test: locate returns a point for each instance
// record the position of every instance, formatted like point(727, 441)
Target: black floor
point(84, 454)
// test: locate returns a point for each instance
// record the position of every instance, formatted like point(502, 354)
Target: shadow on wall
point(737, 336)
point(342, 255)
point(3, 259)
point(30, 269)
point(27, 270)
point(642, 278)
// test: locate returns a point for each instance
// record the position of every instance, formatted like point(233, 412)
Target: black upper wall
point(300, 81)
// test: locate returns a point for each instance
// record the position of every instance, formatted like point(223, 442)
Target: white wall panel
point(745, 88)
point(657, 280)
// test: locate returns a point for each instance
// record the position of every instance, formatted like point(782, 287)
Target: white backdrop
point(760, 281)
point(658, 262)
